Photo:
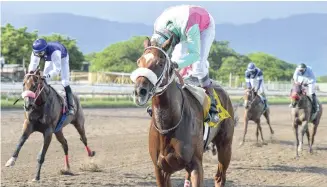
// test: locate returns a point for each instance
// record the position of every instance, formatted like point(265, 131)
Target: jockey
point(193, 29)
point(252, 73)
point(303, 72)
point(56, 61)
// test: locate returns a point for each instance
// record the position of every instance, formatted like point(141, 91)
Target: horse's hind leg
point(79, 125)
point(47, 135)
point(260, 130)
point(27, 131)
point(314, 131)
point(224, 148)
point(60, 137)
point(266, 114)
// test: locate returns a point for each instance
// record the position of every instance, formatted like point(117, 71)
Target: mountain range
point(295, 39)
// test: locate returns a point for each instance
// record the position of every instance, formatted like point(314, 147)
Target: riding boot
point(213, 112)
point(149, 110)
point(70, 100)
point(314, 103)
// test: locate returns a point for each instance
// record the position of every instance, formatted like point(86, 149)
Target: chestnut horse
point(176, 129)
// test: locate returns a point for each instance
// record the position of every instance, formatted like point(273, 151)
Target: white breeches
point(199, 69)
point(49, 65)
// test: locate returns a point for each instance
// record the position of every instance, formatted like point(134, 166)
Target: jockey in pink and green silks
point(194, 31)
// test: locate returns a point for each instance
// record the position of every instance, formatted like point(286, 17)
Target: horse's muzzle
point(28, 103)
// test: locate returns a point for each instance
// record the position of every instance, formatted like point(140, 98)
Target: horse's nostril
point(143, 92)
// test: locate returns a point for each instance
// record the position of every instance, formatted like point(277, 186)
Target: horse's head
point(32, 87)
point(297, 92)
point(249, 97)
point(154, 73)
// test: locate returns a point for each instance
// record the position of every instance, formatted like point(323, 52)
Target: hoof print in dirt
point(91, 167)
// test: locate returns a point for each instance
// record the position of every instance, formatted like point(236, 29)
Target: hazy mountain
point(299, 38)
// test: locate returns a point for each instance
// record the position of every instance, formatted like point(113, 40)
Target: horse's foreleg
point(27, 131)
point(160, 179)
point(60, 137)
point(47, 135)
point(196, 171)
point(246, 122)
point(303, 131)
point(266, 114)
point(295, 127)
point(81, 131)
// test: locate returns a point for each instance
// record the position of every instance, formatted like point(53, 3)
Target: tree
point(272, 67)
point(119, 57)
point(16, 44)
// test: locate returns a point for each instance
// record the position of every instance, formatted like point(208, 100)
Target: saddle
point(62, 96)
point(210, 128)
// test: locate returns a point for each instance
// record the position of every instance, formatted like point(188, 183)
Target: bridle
point(34, 95)
point(158, 89)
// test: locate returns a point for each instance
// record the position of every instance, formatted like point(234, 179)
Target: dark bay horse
point(254, 108)
point(176, 129)
point(43, 109)
point(301, 115)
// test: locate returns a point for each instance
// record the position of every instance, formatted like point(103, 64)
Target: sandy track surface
point(120, 139)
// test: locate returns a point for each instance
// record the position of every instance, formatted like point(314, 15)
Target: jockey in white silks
point(56, 61)
point(254, 74)
point(194, 32)
point(305, 74)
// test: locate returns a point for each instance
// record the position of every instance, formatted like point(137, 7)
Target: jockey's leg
point(314, 103)
point(312, 91)
point(201, 68)
point(65, 83)
point(213, 106)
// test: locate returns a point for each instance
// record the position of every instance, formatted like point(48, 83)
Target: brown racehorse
point(254, 108)
point(43, 109)
point(176, 129)
point(301, 114)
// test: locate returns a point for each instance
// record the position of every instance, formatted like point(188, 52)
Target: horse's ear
point(146, 43)
point(166, 45)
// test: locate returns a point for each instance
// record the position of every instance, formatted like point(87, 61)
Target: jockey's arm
point(260, 79)
point(193, 43)
point(35, 60)
point(296, 76)
point(56, 59)
point(311, 77)
point(247, 80)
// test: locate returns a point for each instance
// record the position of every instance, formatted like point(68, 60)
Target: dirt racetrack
point(120, 139)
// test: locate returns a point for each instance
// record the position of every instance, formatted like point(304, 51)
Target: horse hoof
point(264, 143)
point(11, 162)
point(36, 179)
point(92, 154)
point(66, 172)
